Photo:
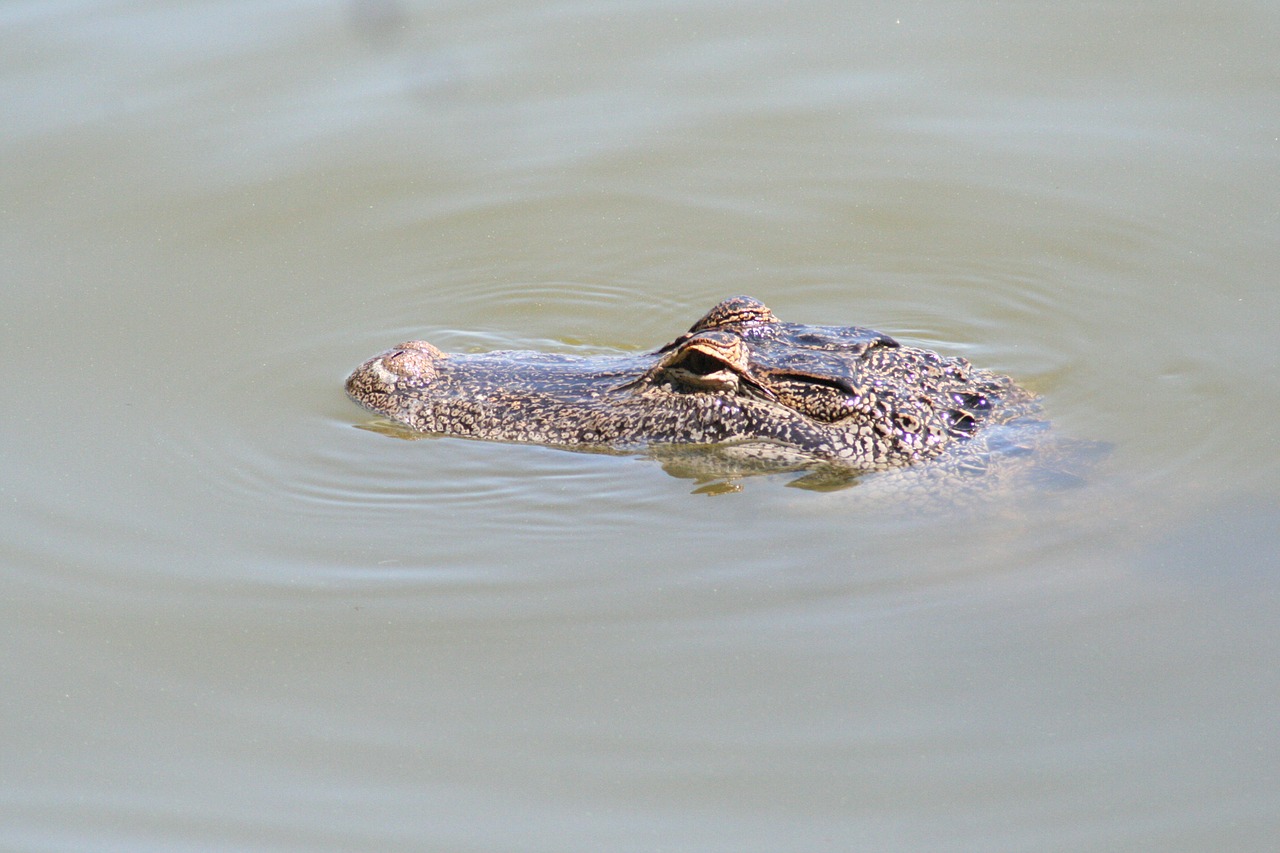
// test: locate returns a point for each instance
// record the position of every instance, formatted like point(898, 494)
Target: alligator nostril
point(411, 362)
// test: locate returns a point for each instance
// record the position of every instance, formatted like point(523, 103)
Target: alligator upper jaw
point(417, 373)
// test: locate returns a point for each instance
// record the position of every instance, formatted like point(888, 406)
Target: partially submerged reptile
point(753, 389)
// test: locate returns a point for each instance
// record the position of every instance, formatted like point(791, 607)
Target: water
point(232, 621)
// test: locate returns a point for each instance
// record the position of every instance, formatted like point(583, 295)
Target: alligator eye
point(960, 423)
point(708, 361)
point(701, 363)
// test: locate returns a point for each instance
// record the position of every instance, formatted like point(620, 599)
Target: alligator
point(753, 389)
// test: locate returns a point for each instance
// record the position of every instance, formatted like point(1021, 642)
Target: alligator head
point(827, 394)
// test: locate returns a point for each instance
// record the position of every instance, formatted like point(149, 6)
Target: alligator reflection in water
point(741, 391)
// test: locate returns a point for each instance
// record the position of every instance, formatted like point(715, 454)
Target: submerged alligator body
point(755, 387)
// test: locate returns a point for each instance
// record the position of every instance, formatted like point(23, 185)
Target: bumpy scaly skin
point(831, 394)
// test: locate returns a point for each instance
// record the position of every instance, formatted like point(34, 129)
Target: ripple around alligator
point(284, 435)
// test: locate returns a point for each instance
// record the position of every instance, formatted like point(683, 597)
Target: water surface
point(233, 621)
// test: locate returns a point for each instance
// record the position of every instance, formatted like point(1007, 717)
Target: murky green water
point(232, 621)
